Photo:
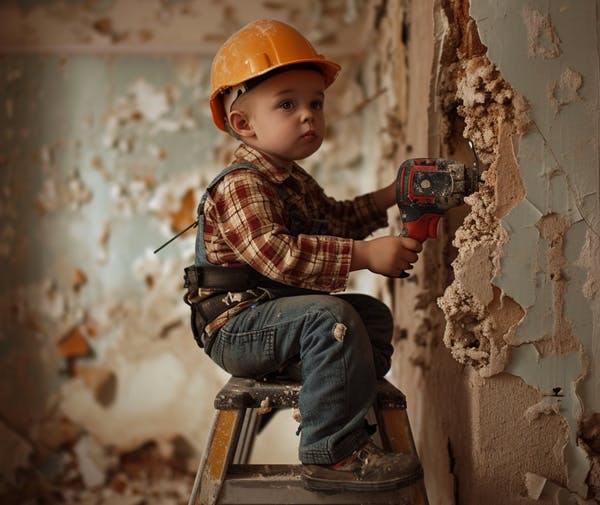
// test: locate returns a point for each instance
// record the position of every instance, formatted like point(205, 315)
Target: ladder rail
point(217, 457)
point(224, 476)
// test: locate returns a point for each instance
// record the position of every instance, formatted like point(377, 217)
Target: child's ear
point(240, 124)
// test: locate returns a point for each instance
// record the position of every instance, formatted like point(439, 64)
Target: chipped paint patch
point(543, 41)
point(547, 406)
point(545, 374)
point(565, 90)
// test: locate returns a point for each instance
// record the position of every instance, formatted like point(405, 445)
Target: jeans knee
point(344, 317)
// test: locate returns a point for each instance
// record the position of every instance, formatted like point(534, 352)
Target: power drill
point(427, 187)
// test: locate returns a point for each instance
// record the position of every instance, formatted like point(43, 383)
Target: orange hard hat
point(257, 49)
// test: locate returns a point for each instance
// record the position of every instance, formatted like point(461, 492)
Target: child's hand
point(388, 256)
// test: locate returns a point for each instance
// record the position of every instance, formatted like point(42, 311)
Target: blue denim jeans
point(344, 345)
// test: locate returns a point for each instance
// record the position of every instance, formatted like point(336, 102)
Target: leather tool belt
point(243, 280)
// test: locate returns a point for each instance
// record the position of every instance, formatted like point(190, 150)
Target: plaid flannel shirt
point(247, 221)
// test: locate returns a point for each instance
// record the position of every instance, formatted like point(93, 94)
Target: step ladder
point(224, 476)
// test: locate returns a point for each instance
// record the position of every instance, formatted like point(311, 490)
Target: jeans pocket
point(247, 354)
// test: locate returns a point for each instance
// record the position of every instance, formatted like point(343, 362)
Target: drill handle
point(422, 228)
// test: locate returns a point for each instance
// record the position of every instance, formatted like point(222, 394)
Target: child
point(272, 247)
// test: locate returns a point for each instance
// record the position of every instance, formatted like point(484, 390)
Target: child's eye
point(286, 105)
point(317, 104)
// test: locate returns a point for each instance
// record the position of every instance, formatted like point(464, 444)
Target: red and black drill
point(427, 187)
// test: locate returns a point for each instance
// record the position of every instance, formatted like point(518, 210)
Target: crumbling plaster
point(105, 144)
point(559, 216)
point(521, 300)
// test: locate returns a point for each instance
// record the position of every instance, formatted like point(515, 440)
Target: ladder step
point(225, 478)
point(260, 484)
point(241, 393)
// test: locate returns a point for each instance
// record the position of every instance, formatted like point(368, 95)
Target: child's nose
point(307, 114)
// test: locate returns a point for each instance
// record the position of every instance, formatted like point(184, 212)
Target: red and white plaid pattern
point(246, 221)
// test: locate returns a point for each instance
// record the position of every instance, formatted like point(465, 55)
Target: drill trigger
point(422, 228)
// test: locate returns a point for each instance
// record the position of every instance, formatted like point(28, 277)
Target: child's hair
point(242, 88)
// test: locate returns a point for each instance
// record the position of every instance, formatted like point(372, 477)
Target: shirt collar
point(265, 165)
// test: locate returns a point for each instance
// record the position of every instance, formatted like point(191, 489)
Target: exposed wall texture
point(515, 418)
point(106, 144)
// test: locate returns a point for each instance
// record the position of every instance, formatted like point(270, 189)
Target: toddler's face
point(286, 115)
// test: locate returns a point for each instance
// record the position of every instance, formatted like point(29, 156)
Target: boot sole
point(327, 485)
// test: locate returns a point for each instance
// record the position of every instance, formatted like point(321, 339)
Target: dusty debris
point(468, 329)
point(265, 406)
point(547, 406)
point(94, 461)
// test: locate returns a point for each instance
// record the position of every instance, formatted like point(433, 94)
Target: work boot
point(368, 469)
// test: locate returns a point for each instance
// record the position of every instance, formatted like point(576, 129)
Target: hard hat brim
point(329, 69)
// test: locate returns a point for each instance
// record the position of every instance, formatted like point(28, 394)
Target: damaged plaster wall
point(498, 333)
point(549, 264)
point(106, 145)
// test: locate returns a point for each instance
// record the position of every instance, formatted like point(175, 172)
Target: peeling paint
point(547, 406)
point(265, 406)
point(521, 297)
point(543, 41)
point(565, 90)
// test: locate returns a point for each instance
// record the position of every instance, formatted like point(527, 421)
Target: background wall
point(106, 144)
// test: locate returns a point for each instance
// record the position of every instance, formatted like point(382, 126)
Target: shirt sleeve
point(250, 217)
point(356, 218)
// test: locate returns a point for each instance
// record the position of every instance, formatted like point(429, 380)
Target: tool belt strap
point(225, 278)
